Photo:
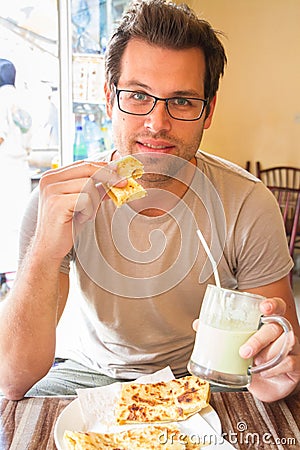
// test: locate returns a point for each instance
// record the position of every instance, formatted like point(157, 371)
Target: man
point(141, 270)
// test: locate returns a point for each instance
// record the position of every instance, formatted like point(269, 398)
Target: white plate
point(71, 419)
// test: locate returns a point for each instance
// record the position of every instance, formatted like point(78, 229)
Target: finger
point(100, 172)
point(84, 165)
point(74, 186)
point(267, 334)
point(52, 192)
point(273, 305)
point(289, 365)
point(283, 344)
point(66, 186)
point(73, 164)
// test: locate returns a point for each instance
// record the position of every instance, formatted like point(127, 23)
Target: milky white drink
point(227, 320)
point(219, 349)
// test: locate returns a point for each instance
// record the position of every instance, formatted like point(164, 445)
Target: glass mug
point(227, 319)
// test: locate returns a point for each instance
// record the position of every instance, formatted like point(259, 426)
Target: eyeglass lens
point(181, 108)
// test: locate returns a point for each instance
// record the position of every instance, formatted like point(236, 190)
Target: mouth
point(157, 147)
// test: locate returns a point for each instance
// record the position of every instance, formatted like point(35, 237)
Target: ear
point(107, 92)
point(211, 106)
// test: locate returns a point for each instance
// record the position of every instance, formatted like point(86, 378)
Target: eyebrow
point(135, 85)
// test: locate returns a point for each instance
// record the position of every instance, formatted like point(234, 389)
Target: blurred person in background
point(15, 124)
point(45, 133)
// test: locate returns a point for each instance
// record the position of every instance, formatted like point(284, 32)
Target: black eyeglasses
point(179, 108)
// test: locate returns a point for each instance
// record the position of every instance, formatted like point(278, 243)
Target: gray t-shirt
point(142, 279)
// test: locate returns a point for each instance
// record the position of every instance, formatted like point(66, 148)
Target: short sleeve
point(262, 254)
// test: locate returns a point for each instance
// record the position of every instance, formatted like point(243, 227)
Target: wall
point(258, 110)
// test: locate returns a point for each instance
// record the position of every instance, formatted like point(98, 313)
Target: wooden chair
point(248, 166)
point(289, 203)
point(280, 176)
point(285, 177)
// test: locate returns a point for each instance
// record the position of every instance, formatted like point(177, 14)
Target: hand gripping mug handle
point(287, 331)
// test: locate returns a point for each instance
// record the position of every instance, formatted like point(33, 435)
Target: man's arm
point(29, 316)
point(283, 379)
point(68, 197)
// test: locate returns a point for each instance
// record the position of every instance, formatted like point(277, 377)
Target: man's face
point(163, 73)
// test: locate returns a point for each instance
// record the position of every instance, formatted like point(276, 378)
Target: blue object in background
point(79, 148)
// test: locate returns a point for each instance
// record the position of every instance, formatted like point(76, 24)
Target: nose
point(158, 119)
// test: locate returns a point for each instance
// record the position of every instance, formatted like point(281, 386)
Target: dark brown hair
point(168, 25)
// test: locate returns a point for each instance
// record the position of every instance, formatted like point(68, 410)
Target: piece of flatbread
point(170, 401)
point(148, 438)
point(130, 168)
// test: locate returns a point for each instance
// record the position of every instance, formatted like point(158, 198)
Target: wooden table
point(246, 422)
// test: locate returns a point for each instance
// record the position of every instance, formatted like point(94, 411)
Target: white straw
point(213, 262)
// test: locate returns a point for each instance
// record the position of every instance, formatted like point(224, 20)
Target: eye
point(180, 101)
point(139, 96)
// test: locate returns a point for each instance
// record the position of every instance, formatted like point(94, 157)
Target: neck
point(164, 194)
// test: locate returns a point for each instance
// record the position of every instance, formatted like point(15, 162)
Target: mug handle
point(287, 331)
